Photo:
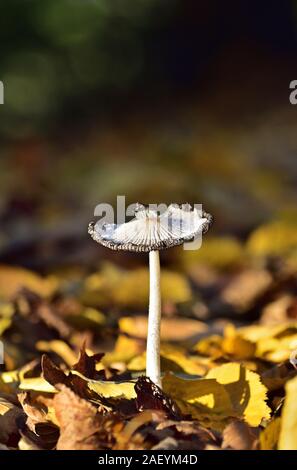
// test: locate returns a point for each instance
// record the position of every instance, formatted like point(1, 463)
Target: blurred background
point(160, 101)
point(157, 100)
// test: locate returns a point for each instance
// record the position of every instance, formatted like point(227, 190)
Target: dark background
point(157, 100)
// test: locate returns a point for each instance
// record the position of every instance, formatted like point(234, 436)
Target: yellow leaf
point(274, 343)
point(173, 359)
point(234, 345)
point(276, 238)
point(219, 252)
point(210, 346)
point(133, 288)
point(288, 432)
point(270, 435)
point(204, 399)
point(110, 389)
point(246, 392)
point(88, 318)
point(12, 280)
point(60, 348)
point(38, 384)
point(179, 357)
point(4, 324)
point(125, 349)
point(130, 288)
point(176, 329)
point(137, 363)
point(113, 389)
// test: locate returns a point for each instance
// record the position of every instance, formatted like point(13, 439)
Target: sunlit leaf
point(245, 389)
point(109, 389)
point(288, 431)
point(270, 435)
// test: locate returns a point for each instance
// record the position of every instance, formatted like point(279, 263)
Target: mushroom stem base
point(153, 369)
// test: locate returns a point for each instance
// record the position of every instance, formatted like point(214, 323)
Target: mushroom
point(150, 232)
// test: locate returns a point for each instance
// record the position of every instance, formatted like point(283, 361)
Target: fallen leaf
point(52, 374)
point(125, 349)
point(38, 384)
point(276, 238)
point(172, 329)
point(14, 279)
point(246, 391)
point(60, 348)
point(108, 389)
point(243, 290)
point(191, 430)
point(204, 399)
point(288, 431)
point(151, 397)
point(9, 416)
point(130, 288)
point(219, 252)
point(78, 421)
point(270, 435)
point(174, 359)
point(236, 346)
point(239, 436)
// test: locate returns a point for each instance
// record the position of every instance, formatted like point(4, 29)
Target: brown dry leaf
point(44, 437)
point(87, 367)
point(246, 287)
point(239, 436)
point(42, 427)
point(14, 279)
point(277, 311)
point(191, 430)
point(9, 414)
point(277, 376)
point(87, 364)
point(288, 431)
point(78, 421)
point(170, 443)
point(82, 385)
point(52, 374)
point(246, 391)
point(50, 317)
point(35, 414)
point(151, 397)
point(128, 439)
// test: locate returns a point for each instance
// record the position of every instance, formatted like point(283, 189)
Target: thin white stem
point(153, 369)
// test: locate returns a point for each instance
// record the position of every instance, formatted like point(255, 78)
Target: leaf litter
point(74, 352)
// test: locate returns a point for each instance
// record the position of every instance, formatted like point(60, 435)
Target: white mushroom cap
point(150, 231)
